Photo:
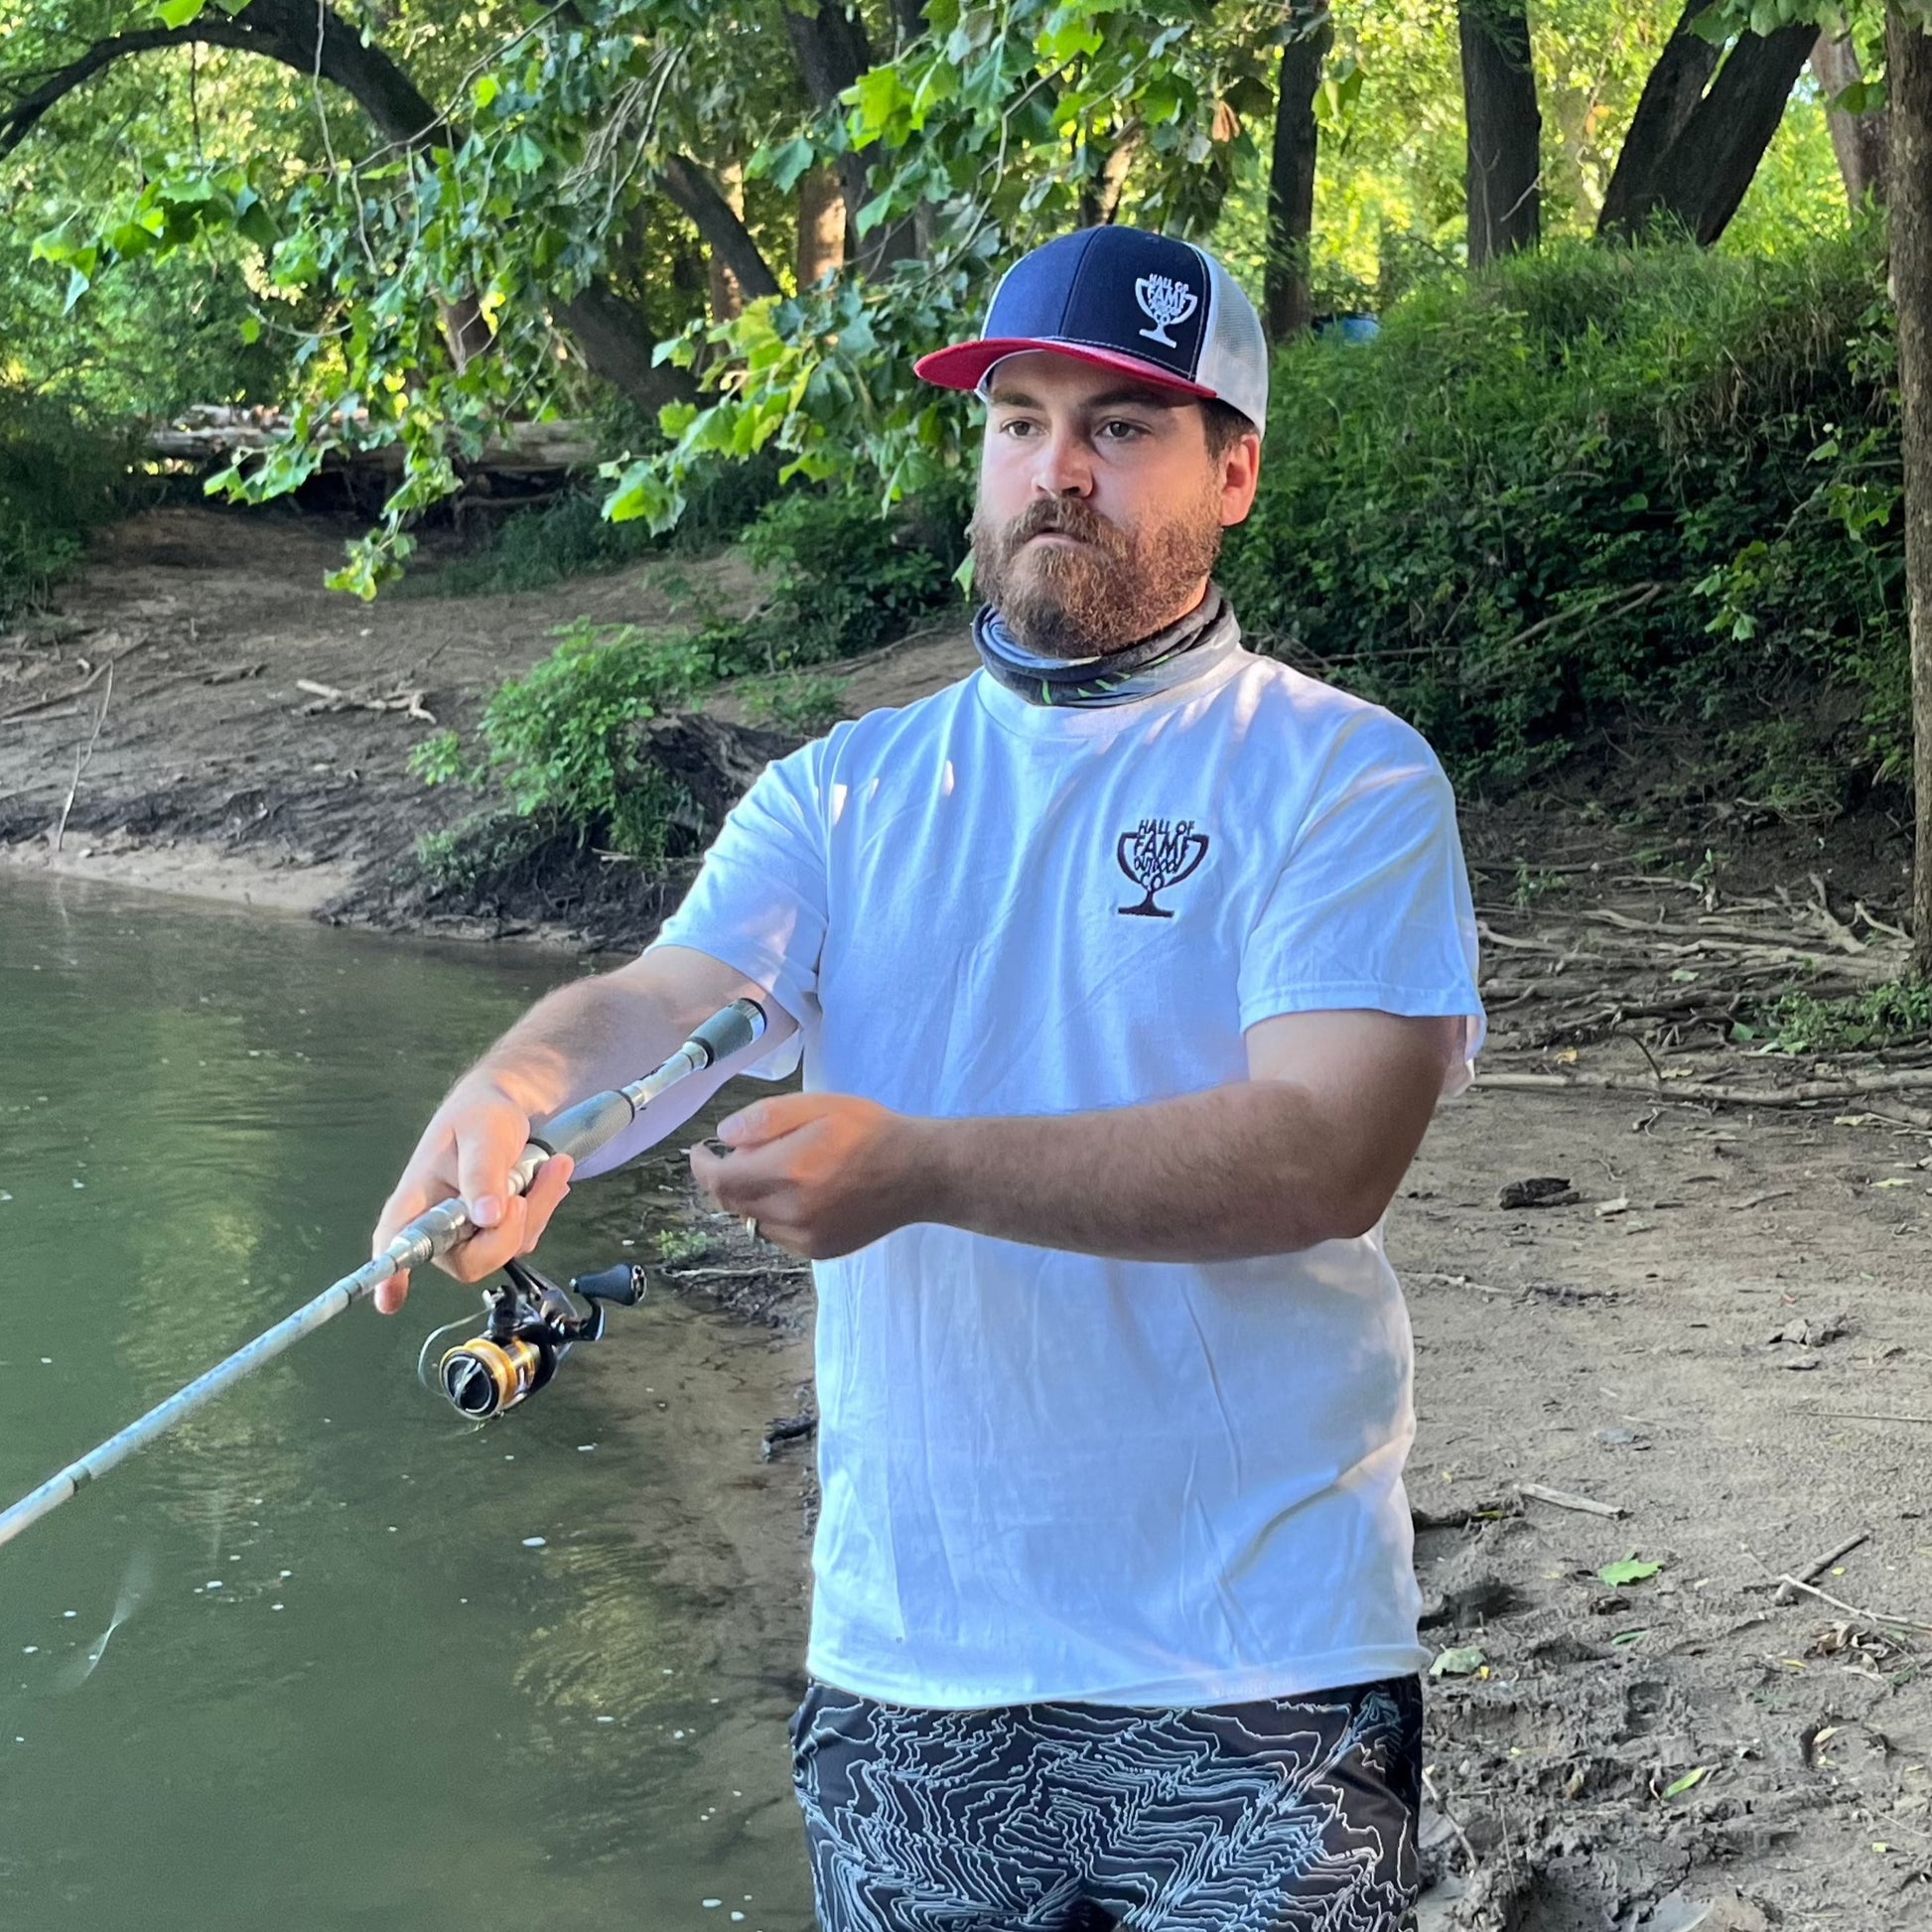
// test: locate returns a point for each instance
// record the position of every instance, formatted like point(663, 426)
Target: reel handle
point(624, 1285)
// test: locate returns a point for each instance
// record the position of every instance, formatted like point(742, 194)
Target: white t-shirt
point(1049, 1476)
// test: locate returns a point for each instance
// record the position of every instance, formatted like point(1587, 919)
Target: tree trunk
point(1504, 128)
point(909, 16)
point(1908, 57)
point(727, 294)
point(1670, 97)
point(616, 344)
point(1288, 302)
point(1100, 196)
point(1858, 140)
point(821, 227)
point(1697, 181)
point(1710, 166)
point(832, 51)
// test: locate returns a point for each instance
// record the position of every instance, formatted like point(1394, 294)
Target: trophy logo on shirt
point(1156, 853)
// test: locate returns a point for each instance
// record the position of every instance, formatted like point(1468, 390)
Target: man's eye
point(1016, 426)
point(1117, 430)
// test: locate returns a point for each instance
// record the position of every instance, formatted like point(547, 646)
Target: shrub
point(58, 479)
point(1588, 479)
point(560, 740)
point(570, 536)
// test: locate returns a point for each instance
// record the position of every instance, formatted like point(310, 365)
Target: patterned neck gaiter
point(1173, 656)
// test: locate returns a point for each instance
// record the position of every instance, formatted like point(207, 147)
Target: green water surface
point(349, 1687)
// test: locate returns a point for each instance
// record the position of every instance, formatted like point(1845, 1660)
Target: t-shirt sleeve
point(1372, 907)
point(759, 900)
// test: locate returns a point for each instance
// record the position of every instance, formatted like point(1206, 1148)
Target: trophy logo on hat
point(1163, 302)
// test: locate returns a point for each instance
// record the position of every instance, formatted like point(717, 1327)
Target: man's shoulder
point(1322, 720)
point(890, 726)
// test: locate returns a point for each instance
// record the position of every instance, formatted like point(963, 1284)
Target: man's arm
point(1309, 1147)
point(593, 1035)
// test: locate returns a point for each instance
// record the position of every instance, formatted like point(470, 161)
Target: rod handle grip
point(730, 1030)
point(577, 1131)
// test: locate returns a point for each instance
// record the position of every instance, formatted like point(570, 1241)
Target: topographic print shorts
point(1280, 1816)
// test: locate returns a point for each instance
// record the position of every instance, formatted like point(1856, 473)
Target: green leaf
point(251, 329)
point(523, 156)
point(1463, 1661)
point(487, 90)
point(1624, 1638)
point(785, 164)
point(177, 13)
point(1695, 1776)
point(1629, 1571)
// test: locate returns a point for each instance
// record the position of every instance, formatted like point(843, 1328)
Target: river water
point(368, 1666)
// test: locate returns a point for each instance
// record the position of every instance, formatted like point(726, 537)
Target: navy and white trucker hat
point(1163, 310)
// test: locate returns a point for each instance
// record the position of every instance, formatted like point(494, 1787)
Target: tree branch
point(725, 234)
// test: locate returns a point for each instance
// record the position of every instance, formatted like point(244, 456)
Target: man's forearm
point(580, 1039)
point(1251, 1169)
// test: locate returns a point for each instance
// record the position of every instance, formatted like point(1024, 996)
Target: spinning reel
point(532, 1325)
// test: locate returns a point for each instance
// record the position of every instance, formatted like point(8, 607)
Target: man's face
point(1100, 509)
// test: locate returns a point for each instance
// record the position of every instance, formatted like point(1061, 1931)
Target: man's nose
point(1062, 466)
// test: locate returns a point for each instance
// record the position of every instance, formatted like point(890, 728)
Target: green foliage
point(58, 477)
point(570, 536)
point(848, 579)
point(1894, 1014)
point(794, 701)
point(561, 741)
point(1588, 478)
point(677, 1246)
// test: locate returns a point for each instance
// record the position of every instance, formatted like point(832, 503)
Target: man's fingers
point(547, 1191)
point(740, 1183)
point(392, 1293)
point(768, 1120)
point(486, 1249)
point(484, 1155)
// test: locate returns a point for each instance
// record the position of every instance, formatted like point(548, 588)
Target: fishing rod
point(577, 1131)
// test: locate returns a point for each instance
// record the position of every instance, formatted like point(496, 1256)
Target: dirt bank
point(222, 763)
point(1713, 1328)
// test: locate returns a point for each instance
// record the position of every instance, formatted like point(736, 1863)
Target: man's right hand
point(468, 1150)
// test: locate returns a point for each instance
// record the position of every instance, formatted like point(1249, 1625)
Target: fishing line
point(577, 1131)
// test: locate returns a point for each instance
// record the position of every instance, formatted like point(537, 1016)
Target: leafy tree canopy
point(414, 221)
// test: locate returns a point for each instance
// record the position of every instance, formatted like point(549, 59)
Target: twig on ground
point(1709, 1093)
point(1852, 1609)
point(1454, 1823)
point(87, 683)
point(1456, 1281)
point(1818, 1566)
point(1567, 1500)
point(85, 757)
point(1867, 1415)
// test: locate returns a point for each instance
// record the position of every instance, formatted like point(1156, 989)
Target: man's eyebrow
point(1139, 396)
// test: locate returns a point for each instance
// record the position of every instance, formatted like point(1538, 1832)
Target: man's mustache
point(1061, 517)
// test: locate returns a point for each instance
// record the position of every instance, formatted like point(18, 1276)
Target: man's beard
point(1115, 589)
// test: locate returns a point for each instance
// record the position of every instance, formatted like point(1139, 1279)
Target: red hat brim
point(964, 366)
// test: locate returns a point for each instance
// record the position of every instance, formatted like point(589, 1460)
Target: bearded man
point(1126, 974)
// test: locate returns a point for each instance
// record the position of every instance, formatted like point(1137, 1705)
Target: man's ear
point(1240, 478)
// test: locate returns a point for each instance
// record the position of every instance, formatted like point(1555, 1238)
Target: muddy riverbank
point(1712, 1329)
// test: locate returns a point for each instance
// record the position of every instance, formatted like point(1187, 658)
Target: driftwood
point(212, 435)
point(1709, 1093)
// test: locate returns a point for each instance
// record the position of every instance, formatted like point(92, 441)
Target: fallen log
point(523, 448)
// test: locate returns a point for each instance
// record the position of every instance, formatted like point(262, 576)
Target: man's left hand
point(821, 1173)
